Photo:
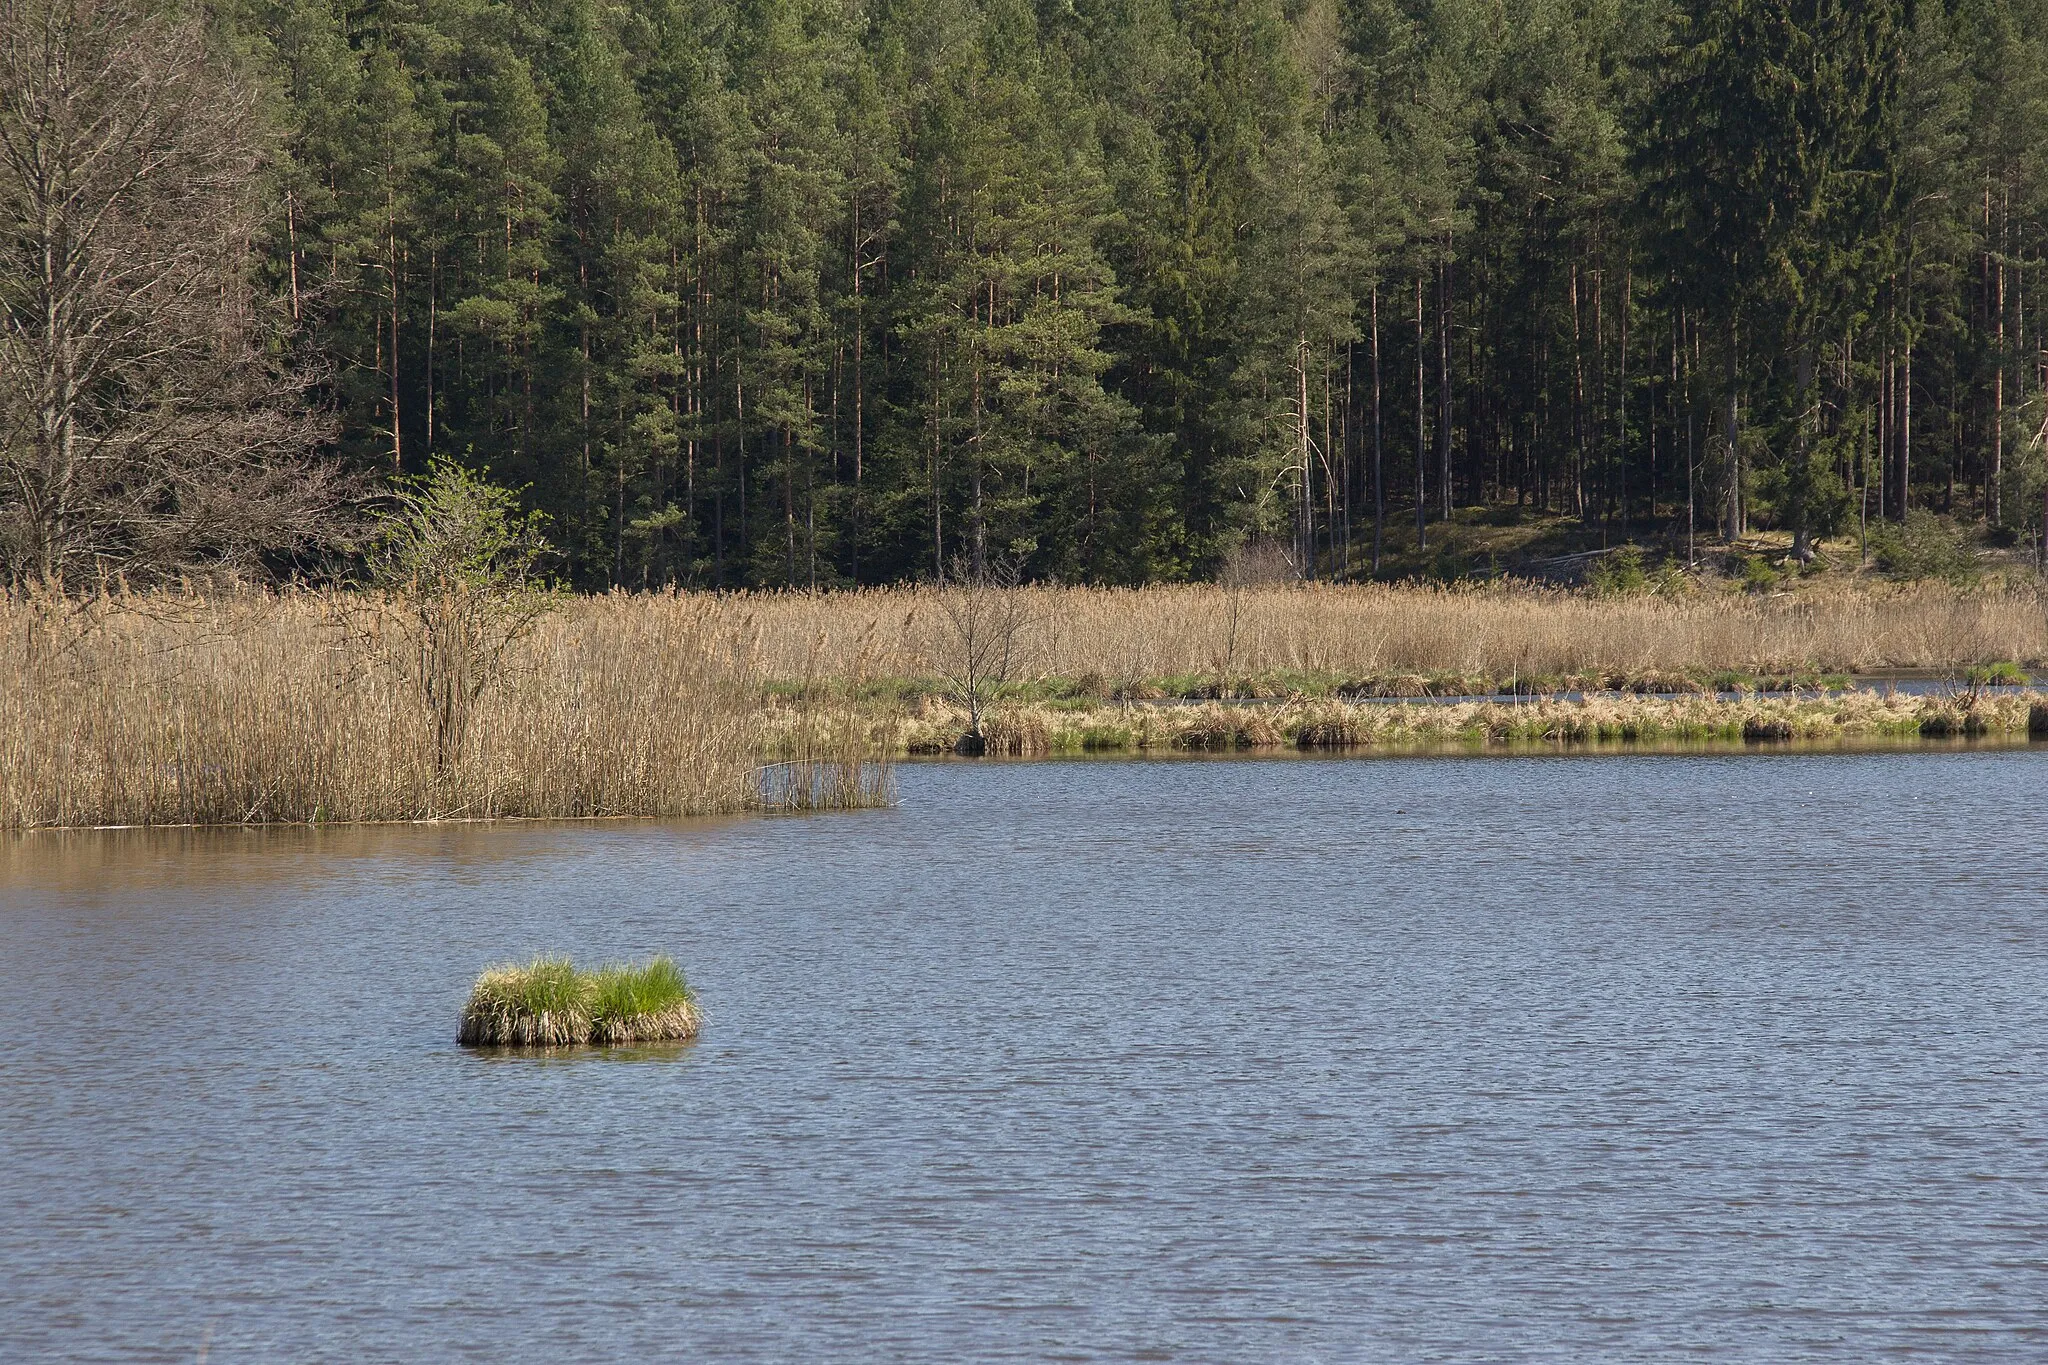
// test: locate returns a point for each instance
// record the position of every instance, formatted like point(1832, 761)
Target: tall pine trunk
point(1379, 485)
point(1421, 420)
point(1731, 470)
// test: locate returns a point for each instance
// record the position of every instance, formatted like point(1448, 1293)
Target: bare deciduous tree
point(152, 422)
point(1250, 564)
point(983, 617)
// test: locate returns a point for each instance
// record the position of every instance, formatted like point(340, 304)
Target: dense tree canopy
point(808, 292)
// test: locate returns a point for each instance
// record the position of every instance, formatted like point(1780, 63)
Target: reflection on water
point(1621, 1057)
point(587, 1056)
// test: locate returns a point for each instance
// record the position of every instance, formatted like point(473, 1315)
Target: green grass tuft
point(549, 1003)
point(620, 992)
point(2002, 674)
point(547, 985)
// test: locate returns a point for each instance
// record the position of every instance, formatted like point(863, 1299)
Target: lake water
point(1735, 1057)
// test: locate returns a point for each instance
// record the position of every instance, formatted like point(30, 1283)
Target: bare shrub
point(1258, 564)
point(1250, 564)
point(978, 642)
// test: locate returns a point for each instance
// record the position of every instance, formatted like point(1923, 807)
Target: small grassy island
point(550, 1003)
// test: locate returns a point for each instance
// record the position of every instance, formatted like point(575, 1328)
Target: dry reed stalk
point(677, 1022)
point(186, 708)
point(827, 754)
point(486, 1026)
point(493, 1025)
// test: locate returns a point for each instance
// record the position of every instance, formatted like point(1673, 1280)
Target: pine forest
point(811, 293)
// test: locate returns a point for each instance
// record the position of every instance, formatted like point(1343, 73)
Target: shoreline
point(1505, 749)
point(286, 708)
point(2001, 742)
point(1033, 730)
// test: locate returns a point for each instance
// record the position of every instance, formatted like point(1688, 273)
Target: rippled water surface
point(1613, 1058)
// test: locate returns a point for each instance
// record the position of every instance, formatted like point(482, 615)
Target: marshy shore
point(252, 707)
point(1036, 730)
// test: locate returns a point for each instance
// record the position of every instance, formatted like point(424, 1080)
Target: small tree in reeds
point(459, 564)
point(983, 619)
point(1252, 564)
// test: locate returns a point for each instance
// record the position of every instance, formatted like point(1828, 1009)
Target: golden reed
point(1371, 631)
point(256, 707)
point(244, 707)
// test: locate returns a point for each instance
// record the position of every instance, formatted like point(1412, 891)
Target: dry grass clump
point(1601, 718)
point(1329, 732)
point(1221, 728)
point(545, 1003)
point(549, 1003)
point(1022, 732)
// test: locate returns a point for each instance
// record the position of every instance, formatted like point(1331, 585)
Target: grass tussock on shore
point(548, 1002)
point(1036, 730)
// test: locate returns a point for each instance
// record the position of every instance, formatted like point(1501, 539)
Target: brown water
point(1605, 1058)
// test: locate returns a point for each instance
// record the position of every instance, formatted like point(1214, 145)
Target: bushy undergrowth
point(1924, 546)
point(1626, 573)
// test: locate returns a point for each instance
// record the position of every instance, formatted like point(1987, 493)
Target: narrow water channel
point(1621, 1057)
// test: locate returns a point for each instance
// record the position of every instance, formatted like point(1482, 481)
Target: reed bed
point(280, 708)
point(548, 1002)
point(1496, 631)
point(301, 706)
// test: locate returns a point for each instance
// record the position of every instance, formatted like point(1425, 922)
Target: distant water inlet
point(1549, 1058)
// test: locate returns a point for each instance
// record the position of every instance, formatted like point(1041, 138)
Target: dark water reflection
point(1615, 1058)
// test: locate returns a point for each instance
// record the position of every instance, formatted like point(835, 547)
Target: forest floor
point(1484, 542)
point(1536, 544)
